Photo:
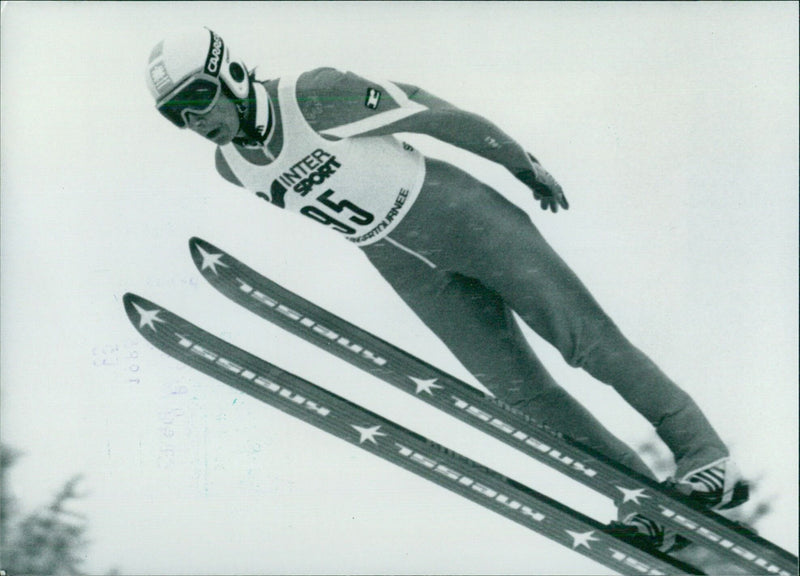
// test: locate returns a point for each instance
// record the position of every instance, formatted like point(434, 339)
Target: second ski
point(377, 435)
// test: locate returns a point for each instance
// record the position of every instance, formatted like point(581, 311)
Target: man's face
point(220, 124)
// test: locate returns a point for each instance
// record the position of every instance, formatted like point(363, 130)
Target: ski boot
point(645, 533)
point(715, 486)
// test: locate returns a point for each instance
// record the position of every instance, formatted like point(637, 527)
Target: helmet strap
point(257, 129)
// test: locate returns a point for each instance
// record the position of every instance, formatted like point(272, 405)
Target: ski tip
point(196, 244)
point(133, 303)
point(200, 248)
point(129, 299)
point(196, 247)
point(142, 313)
point(207, 257)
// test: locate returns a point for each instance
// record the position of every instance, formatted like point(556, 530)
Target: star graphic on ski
point(632, 494)
point(368, 433)
point(582, 538)
point(147, 317)
point(210, 260)
point(425, 385)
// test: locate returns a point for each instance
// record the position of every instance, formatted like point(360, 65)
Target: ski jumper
point(463, 258)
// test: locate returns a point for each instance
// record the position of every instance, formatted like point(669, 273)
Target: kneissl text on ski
point(399, 368)
point(377, 435)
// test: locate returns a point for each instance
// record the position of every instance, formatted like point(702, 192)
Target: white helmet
point(184, 73)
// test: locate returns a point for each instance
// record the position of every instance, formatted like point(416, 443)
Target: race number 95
point(354, 213)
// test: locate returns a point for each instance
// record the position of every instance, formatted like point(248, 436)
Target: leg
point(480, 330)
point(465, 226)
point(553, 301)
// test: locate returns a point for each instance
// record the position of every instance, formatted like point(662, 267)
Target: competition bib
point(360, 187)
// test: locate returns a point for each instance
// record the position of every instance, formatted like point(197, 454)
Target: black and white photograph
point(399, 288)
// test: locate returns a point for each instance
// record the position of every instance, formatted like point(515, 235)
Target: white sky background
point(672, 127)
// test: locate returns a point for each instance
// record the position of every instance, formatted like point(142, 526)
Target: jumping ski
point(245, 286)
point(377, 435)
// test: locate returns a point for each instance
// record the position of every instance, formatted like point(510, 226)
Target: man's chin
point(219, 136)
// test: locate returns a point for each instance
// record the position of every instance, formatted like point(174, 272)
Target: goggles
point(197, 94)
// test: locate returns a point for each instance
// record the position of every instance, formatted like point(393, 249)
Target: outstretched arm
point(474, 133)
point(345, 105)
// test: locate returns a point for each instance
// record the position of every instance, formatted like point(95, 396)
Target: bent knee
point(597, 341)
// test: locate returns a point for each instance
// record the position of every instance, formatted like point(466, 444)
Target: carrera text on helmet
point(214, 54)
